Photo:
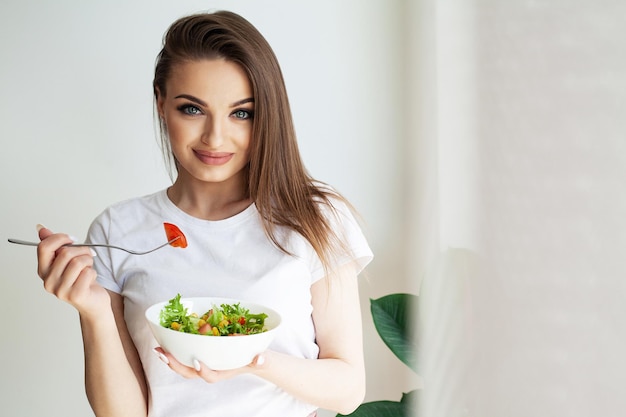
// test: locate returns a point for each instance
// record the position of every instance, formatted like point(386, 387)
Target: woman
point(258, 228)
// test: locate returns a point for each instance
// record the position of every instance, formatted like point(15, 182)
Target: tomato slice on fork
point(172, 231)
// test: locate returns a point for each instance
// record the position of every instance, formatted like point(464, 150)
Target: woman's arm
point(114, 378)
point(335, 381)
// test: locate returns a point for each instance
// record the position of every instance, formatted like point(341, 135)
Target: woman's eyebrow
point(192, 98)
point(244, 101)
point(202, 103)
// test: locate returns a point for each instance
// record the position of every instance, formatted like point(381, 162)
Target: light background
point(483, 141)
point(77, 130)
point(521, 136)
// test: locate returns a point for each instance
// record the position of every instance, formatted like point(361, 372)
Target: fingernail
point(73, 238)
point(260, 360)
point(93, 252)
point(39, 227)
point(196, 365)
point(161, 356)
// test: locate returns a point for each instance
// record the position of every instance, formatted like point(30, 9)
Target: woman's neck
point(209, 201)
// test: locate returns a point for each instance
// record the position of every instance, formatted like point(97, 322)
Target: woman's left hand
point(200, 370)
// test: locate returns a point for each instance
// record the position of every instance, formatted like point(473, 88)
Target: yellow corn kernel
point(194, 314)
point(223, 323)
point(201, 323)
point(215, 331)
point(175, 325)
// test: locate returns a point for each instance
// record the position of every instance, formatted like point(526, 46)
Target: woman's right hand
point(67, 272)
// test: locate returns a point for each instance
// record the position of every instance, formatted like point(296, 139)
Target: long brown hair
point(284, 193)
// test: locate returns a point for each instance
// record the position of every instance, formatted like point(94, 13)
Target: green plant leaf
point(403, 408)
point(410, 399)
point(380, 409)
point(392, 316)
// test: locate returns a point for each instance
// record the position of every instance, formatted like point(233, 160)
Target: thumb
point(43, 231)
point(259, 360)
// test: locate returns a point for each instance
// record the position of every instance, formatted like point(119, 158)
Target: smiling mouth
point(214, 158)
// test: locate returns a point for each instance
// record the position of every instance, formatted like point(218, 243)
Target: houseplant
point(393, 318)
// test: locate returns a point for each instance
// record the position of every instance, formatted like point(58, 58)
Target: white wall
point(491, 127)
point(76, 111)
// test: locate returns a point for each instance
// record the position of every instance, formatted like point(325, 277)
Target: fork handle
point(23, 242)
point(29, 243)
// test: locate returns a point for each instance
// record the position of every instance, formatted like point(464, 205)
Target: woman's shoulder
point(143, 200)
point(134, 213)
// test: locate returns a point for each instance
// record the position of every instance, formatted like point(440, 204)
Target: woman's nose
point(213, 134)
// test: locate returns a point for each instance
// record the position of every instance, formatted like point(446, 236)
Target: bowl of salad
point(222, 333)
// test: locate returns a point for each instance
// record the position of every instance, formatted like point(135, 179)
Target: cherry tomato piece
point(172, 231)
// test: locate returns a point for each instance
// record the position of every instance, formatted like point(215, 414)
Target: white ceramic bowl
point(216, 352)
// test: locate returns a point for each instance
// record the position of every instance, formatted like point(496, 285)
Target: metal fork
point(102, 245)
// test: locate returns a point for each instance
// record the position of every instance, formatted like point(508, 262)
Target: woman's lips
point(214, 158)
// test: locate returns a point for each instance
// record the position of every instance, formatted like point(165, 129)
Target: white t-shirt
point(230, 258)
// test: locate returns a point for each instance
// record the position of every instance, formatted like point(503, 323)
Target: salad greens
point(225, 320)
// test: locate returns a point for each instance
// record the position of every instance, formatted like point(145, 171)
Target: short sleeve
point(98, 232)
point(349, 231)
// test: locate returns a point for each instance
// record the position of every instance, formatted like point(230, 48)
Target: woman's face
point(208, 111)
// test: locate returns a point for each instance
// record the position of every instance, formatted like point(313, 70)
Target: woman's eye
point(189, 109)
point(242, 114)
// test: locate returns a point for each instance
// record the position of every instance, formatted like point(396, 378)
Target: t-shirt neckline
point(186, 218)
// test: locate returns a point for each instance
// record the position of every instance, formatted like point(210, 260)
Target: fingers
point(258, 361)
point(66, 271)
point(71, 276)
point(43, 231)
point(176, 366)
point(212, 376)
point(200, 370)
point(48, 248)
